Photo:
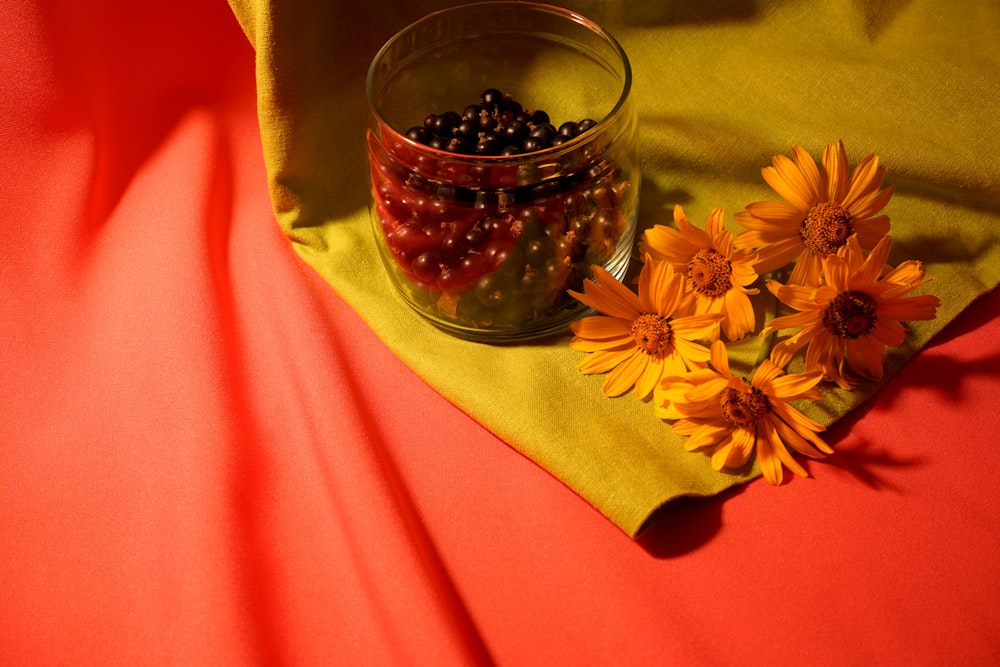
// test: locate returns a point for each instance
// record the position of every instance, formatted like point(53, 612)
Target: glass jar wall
point(482, 229)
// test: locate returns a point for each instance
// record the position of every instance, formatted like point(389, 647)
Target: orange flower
point(855, 314)
point(717, 274)
point(736, 418)
point(642, 337)
point(824, 208)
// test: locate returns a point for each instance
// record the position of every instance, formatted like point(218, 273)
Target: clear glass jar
point(486, 246)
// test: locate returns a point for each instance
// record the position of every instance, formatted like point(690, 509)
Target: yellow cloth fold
point(719, 91)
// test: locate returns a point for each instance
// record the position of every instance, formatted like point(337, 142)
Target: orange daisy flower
point(823, 208)
point(717, 274)
point(642, 337)
point(855, 315)
point(736, 418)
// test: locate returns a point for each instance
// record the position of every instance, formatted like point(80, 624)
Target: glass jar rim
point(498, 5)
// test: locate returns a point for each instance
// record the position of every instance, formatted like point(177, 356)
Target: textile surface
point(207, 457)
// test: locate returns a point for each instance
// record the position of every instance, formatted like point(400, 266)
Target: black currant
point(458, 145)
point(486, 121)
point(472, 112)
point(539, 117)
point(489, 144)
point(532, 144)
point(515, 132)
point(512, 105)
point(544, 131)
point(491, 97)
point(568, 129)
point(468, 129)
point(417, 134)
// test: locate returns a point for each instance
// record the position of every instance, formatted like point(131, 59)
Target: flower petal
point(770, 434)
point(805, 427)
point(601, 327)
point(866, 356)
point(909, 309)
point(742, 447)
point(779, 254)
point(720, 359)
point(604, 361)
point(623, 377)
point(650, 377)
point(707, 435)
point(740, 318)
point(866, 179)
point(796, 386)
point(835, 164)
point(795, 182)
point(863, 210)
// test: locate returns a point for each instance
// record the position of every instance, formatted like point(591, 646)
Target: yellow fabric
point(720, 88)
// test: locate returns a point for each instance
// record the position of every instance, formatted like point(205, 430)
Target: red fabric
point(206, 458)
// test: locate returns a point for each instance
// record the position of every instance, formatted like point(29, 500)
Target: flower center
point(652, 334)
point(743, 408)
point(710, 272)
point(826, 228)
point(850, 315)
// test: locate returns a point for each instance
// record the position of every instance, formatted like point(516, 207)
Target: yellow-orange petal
point(721, 452)
point(649, 379)
point(600, 327)
point(685, 426)
point(901, 279)
point(796, 386)
point(866, 356)
point(599, 299)
point(623, 377)
point(695, 327)
point(778, 254)
point(768, 461)
point(807, 270)
point(596, 344)
point(614, 295)
point(810, 174)
point(771, 216)
point(889, 332)
point(909, 309)
point(799, 297)
point(744, 440)
point(795, 320)
point(871, 230)
point(666, 244)
point(866, 209)
point(770, 433)
point(797, 178)
point(866, 179)
point(805, 427)
point(837, 273)
point(740, 317)
point(603, 361)
point(720, 358)
point(708, 435)
point(835, 164)
point(766, 372)
point(708, 391)
point(692, 354)
point(794, 439)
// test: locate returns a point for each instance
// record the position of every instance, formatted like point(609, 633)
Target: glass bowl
point(486, 245)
